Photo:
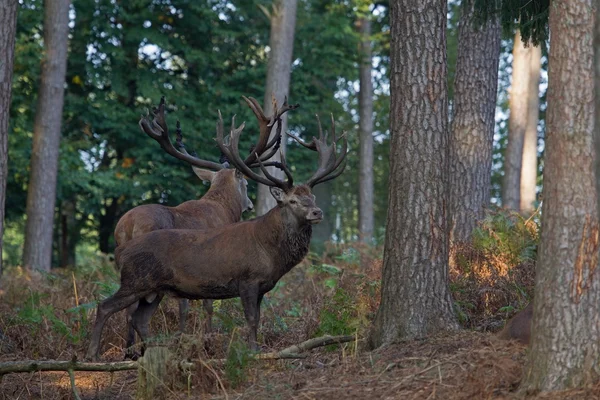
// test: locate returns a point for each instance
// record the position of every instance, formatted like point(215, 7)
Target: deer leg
point(249, 296)
point(130, 353)
point(108, 307)
point(184, 308)
point(142, 316)
point(208, 307)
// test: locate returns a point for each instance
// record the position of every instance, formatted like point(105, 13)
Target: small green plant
point(239, 358)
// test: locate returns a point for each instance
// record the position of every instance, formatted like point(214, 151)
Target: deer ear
point(204, 174)
point(277, 193)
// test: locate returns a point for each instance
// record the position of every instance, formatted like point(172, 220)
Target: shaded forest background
point(202, 56)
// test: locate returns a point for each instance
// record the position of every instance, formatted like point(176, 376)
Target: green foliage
point(529, 16)
point(507, 233)
point(34, 313)
point(239, 359)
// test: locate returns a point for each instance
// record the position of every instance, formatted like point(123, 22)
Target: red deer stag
point(243, 260)
point(223, 204)
point(519, 327)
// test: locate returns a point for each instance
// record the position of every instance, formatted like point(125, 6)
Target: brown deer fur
point(223, 204)
point(243, 260)
point(519, 326)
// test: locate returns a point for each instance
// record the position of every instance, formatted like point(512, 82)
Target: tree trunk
point(321, 233)
point(41, 193)
point(473, 122)
point(281, 42)
point(107, 225)
point(517, 124)
point(529, 162)
point(597, 101)
point(8, 27)
point(565, 331)
point(415, 297)
point(366, 217)
point(69, 232)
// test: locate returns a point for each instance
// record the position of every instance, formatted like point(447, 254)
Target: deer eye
point(293, 202)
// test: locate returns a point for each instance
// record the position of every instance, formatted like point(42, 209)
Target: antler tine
point(232, 152)
point(271, 150)
point(158, 130)
point(329, 162)
point(265, 126)
point(278, 182)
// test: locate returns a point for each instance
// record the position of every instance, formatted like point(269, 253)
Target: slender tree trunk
point(529, 163)
point(415, 298)
point(517, 124)
point(565, 351)
point(281, 42)
point(8, 27)
point(322, 232)
point(69, 231)
point(473, 123)
point(366, 217)
point(41, 194)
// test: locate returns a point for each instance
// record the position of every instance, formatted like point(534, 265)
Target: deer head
point(298, 200)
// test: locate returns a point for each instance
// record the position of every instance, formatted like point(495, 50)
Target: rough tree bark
point(565, 350)
point(529, 161)
point(517, 124)
point(597, 100)
point(41, 193)
point(281, 42)
point(8, 28)
point(415, 298)
point(473, 122)
point(366, 218)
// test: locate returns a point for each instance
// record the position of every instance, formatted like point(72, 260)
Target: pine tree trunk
point(517, 124)
point(597, 101)
point(473, 122)
point(415, 297)
point(281, 42)
point(366, 218)
point(321, 233)
point(565, 350)
point(8, 27)
point(529, 162)
point(41, 193)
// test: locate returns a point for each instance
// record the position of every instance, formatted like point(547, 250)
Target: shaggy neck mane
point(227, 196)
point(291, 238)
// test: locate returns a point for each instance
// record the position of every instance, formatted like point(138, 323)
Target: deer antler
point(266, 125)
point(329, 161)
point(157, 129)
point(232, 152)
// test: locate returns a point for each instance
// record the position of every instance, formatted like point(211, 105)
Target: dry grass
point(332, 294)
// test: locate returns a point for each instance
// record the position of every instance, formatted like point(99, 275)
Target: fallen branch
point(53, 365)
point(293, 351)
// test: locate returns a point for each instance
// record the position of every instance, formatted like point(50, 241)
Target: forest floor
point(49, 317)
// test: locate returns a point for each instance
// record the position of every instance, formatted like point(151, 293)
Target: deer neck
point(228, 199)
point(289, 237)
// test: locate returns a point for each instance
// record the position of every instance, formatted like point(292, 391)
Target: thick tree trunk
point(517, 124)
point(565, 350)
point(8, 27)
point(366, 217)
point(529, 163)
point(281, 42)
point(415, 297)
point(41, 194)
point(597, 101)
point(473, 122)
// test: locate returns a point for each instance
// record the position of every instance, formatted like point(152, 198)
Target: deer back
point(221, 205)
point(519, 327)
